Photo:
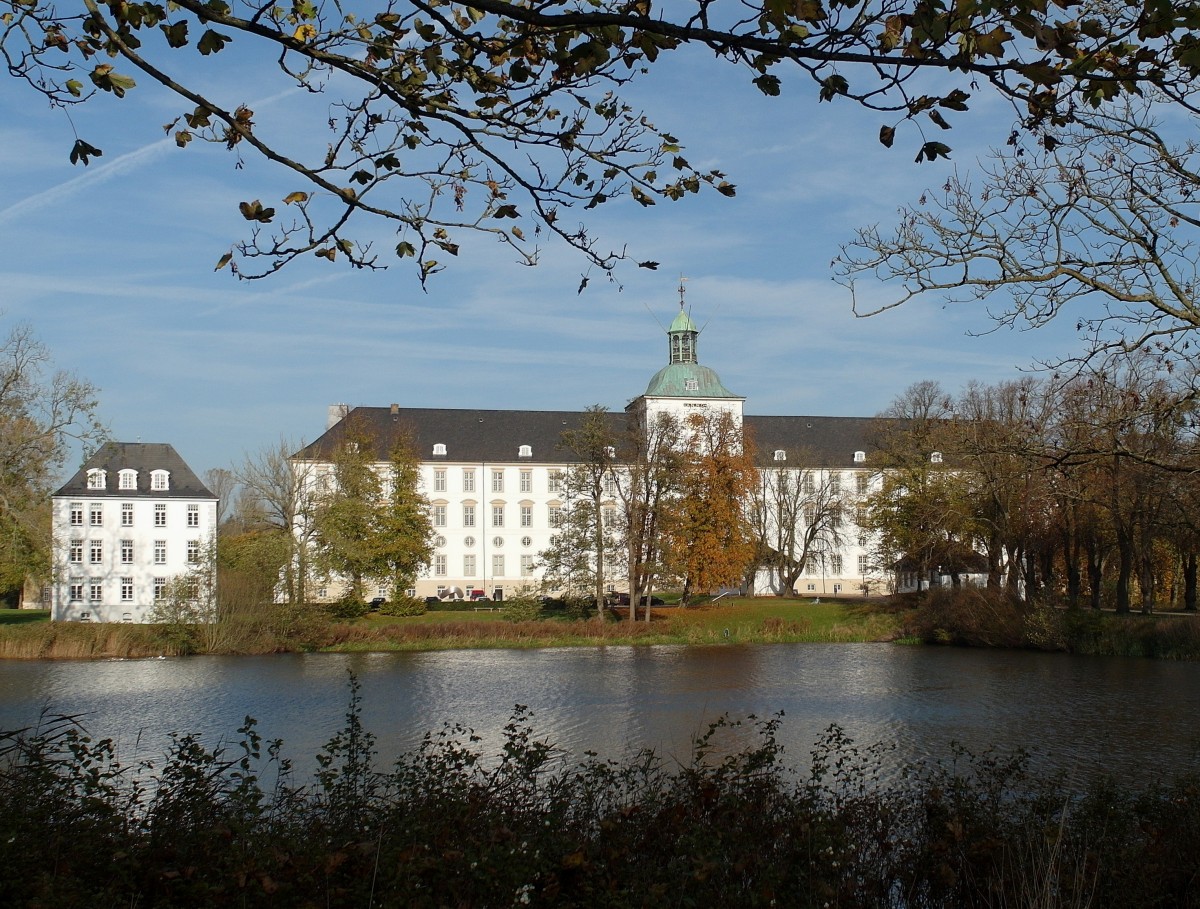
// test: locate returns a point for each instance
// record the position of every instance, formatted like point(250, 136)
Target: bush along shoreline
point(976, 617)
point(450, 826)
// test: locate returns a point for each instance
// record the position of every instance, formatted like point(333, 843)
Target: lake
point(1081, 715)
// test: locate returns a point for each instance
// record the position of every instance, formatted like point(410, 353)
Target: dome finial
point(682, 281)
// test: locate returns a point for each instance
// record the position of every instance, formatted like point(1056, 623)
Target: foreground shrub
point(733, 825)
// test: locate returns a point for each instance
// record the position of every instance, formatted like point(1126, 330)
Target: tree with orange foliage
point(710, 543)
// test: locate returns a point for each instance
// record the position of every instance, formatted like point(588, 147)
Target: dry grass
point(74, 641)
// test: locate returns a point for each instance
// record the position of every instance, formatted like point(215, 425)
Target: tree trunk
point(1124, 572)
point(1189, 582)
point(1095, 571)
point(1146, 582)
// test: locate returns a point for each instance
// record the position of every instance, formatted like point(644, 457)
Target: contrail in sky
point(101, 173)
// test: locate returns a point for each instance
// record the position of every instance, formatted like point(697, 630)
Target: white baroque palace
point(131, 520)
point(493, 478)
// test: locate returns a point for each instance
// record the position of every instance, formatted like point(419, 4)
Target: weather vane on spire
point(682, 281)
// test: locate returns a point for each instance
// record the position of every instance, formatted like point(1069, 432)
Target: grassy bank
point(450, 826)
point(731, 622)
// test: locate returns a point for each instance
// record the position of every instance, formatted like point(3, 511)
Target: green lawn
point(739, 620)
point(23, 616)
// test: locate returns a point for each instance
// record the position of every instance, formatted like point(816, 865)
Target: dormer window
point(127, 479)
point(525, 451)
point(160, 480)
point(780, 454)
point(691, 385)
point(439, 449)
point(860, 457)
point(610, 451)
point(935, 457)
point(96, 478)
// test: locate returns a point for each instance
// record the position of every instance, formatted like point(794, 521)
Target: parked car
point(478, 596)
point(376, 603)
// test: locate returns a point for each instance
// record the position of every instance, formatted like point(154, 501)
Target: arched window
point(780, 454)
point(127, 479)
point(96, 478)
point(439, 448)
point(525, 451)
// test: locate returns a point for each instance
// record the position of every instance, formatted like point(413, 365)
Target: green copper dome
point(683, 322)
point(687, 380)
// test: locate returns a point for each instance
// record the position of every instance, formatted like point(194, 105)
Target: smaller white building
point(134, 518)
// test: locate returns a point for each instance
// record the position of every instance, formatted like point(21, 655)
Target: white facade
point(491, 478)
point(131, 521)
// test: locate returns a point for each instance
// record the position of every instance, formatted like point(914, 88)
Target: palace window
point(127, 552)
point(126, 514)
point(468, 516)
point(469, 565)
point(127, 479)
point(96, 478)
point(126, 590)
point(526, 515)
point(96, 514)
point(497, 481)
point(77, 514)
point(526, 481)
point(468, 481)
point(497, 515)
point(160, 480)
point(160, 515)
point(439, 481)
point(96, 552)
point(76, 551)
point(193, 516)
point(193, 551)
point(160, 552)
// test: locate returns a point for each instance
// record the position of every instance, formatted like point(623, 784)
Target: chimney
point(395, 412)
point(337, 413)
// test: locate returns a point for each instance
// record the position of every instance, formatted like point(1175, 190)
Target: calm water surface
point(1130, 718)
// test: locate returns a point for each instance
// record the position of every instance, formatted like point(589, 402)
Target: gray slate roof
point(142, 457)
point(477, 436)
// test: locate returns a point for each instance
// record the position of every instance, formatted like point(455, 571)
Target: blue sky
point(113, 266)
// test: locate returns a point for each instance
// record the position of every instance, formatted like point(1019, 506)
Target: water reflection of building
point(493, 478)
